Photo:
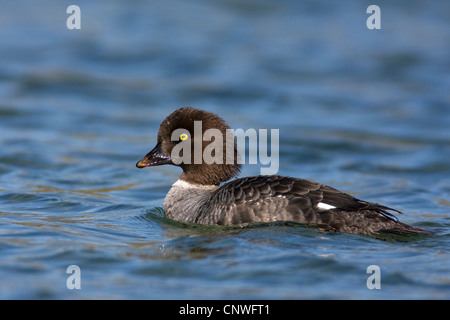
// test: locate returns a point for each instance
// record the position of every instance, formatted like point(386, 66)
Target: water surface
point(365, 111)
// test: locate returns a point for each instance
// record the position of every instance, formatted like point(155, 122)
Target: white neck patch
point(187, 185)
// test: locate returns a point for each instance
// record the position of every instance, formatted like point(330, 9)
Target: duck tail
point(403, 229)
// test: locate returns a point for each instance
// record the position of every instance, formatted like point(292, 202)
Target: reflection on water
point(366, 111)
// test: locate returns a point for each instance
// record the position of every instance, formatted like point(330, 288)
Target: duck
point(209, 192)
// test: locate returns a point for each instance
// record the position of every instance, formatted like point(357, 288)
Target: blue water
point(365, 111)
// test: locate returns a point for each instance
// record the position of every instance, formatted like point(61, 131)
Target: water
point(366, 111)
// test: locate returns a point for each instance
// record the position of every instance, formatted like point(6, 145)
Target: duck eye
point(183, 136)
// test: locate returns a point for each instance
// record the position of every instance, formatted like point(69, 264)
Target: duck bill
point(154, 158)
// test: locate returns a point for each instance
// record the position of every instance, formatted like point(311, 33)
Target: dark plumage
point(197, 197)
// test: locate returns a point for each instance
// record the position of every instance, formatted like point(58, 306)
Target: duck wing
point(280, 198)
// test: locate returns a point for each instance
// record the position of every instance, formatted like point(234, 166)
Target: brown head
point(198, 142)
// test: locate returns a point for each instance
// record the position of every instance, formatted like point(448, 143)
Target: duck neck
point(185, 199)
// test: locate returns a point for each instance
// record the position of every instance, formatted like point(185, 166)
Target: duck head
point(198, 142)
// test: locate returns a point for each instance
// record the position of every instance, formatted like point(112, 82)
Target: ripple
point(363, 111)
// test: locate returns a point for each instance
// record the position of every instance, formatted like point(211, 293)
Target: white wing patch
point(324, 206)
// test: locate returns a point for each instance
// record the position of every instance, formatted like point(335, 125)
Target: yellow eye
point(183, 136)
